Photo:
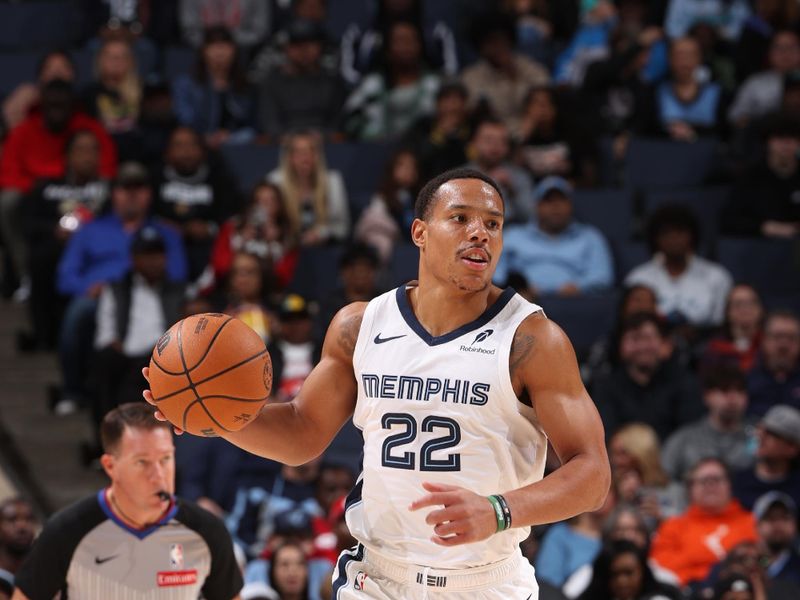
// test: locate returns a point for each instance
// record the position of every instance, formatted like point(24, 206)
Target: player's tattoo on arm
point(521, 348)
point(349, 333)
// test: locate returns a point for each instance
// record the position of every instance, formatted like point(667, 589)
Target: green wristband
point(498, 513)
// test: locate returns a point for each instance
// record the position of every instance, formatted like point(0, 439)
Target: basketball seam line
point(156, 363)
point(199, 401)
point(210, 343)
point(185, 372)
point(192, 385)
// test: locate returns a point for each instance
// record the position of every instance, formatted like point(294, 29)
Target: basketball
point(210, 374)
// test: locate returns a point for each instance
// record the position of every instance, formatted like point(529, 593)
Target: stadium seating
point(317, 272)
point(659, 163)
point(585, 319)
point(610, 210)
point(771, 266)
point(43, 25)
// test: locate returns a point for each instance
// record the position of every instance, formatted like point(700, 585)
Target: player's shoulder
point(538, 335)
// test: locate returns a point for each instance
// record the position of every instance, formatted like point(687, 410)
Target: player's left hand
point(465, 517)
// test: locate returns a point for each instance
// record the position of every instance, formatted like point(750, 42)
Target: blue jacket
point(200, 107)
point(99, 252)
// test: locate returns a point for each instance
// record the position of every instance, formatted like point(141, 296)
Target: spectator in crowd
point(639, 477)
point(499, 81)
point(567, 546)
point(387, 220)
point(691, 543)
point(132, 314)
point(740, 338)
point(768, 18)
point(541, 25)
point(723, 433)
point(35, 149)
point(691, 290)
point(358, 279)
point(56, 64)
point(248, 20)
point(716, 56)
point(626, 523)
point(439, 141)
point(550, 140)
point(621, 572)
point(728, 16)
point(248, 290)
point(490, 153)
point(554, 254)
point(604, 353)
point(687, 105)
point(294, 347)
point(648, 385)
point(316, 199)
point(362, 47)
point(216, 100)
point(53, 211)
point(195, 193)
point(776, 523)
point(115, 96)
point(288, 577)
point(99, 253)
point(263, 228)
point(619, 84)
point(18, 528)
point(388, 101)
point(761, 94)
point(776, 465)
point(763, 201)
point(775, 378)
point(300, 92)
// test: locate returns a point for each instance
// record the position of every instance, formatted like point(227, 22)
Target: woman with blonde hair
point(316, 199)
point(115, 96)
point(635, 456)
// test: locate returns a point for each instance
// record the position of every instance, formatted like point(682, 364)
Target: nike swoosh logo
point(100, 561)
point(380, 340)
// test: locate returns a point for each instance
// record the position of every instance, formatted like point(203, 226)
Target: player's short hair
point(136, 415)
point(427, 195)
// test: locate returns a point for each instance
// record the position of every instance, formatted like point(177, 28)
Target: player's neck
point(440, 311)
point(129, 514)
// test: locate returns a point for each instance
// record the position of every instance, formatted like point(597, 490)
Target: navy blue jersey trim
point(354, 497)
point(434, 340)
point(347, 556)
point(139, 533)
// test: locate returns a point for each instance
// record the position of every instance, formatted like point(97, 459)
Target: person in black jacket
point(55, 209)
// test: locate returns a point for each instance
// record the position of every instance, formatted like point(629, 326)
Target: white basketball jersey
point(438, 409)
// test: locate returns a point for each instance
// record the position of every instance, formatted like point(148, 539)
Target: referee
point(133, 539)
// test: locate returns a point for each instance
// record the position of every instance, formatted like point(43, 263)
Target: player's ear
point(419, 232)
point(107, 462)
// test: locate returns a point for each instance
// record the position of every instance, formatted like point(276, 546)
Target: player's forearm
point(280, 433)
point(579, 485)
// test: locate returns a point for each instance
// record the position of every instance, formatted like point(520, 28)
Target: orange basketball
point(210, 373)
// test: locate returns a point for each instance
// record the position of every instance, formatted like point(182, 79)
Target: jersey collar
point(102, 499)
point(434, 340)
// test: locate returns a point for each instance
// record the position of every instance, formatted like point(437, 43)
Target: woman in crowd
point(738, 342)
point(387, 220)
point(248, 287)
point(217, 100)
point(316, 199)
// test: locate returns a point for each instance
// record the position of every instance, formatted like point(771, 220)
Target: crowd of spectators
point(123, 207)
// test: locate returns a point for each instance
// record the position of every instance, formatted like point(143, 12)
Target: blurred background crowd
point(262, 157)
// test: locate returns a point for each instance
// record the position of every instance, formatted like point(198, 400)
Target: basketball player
point(457, 386)
point(133, 539)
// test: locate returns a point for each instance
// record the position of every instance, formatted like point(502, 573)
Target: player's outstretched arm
point(543, 363)
point(297, 431)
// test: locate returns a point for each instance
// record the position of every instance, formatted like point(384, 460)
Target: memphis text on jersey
point(425, 389)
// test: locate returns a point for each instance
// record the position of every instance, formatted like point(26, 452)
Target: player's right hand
point(148, 396)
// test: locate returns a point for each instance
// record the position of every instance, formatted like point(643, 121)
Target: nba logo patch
point(176, 556)
point(361, 579)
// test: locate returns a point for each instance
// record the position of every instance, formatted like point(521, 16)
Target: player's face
point(462, 238)
point(142, 466)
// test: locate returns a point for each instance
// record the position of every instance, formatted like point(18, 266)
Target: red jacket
point(32, 152)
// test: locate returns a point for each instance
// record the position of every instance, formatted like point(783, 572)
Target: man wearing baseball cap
point(776, 523)
point(777, 457)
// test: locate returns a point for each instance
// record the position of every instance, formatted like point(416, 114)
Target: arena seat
point(178, 60)
point(771, 266)
point(627, 255)
point(404, 264)
point(705, 202)
point(585, 319)
point(348, 12)
point(660, 163)
point(346, 448)
point(610, 210)
point(16, 68)
point(249, 163)
point(317, 272)
point(28, 25)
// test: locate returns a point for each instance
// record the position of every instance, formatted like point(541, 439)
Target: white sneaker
point(65, 407)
